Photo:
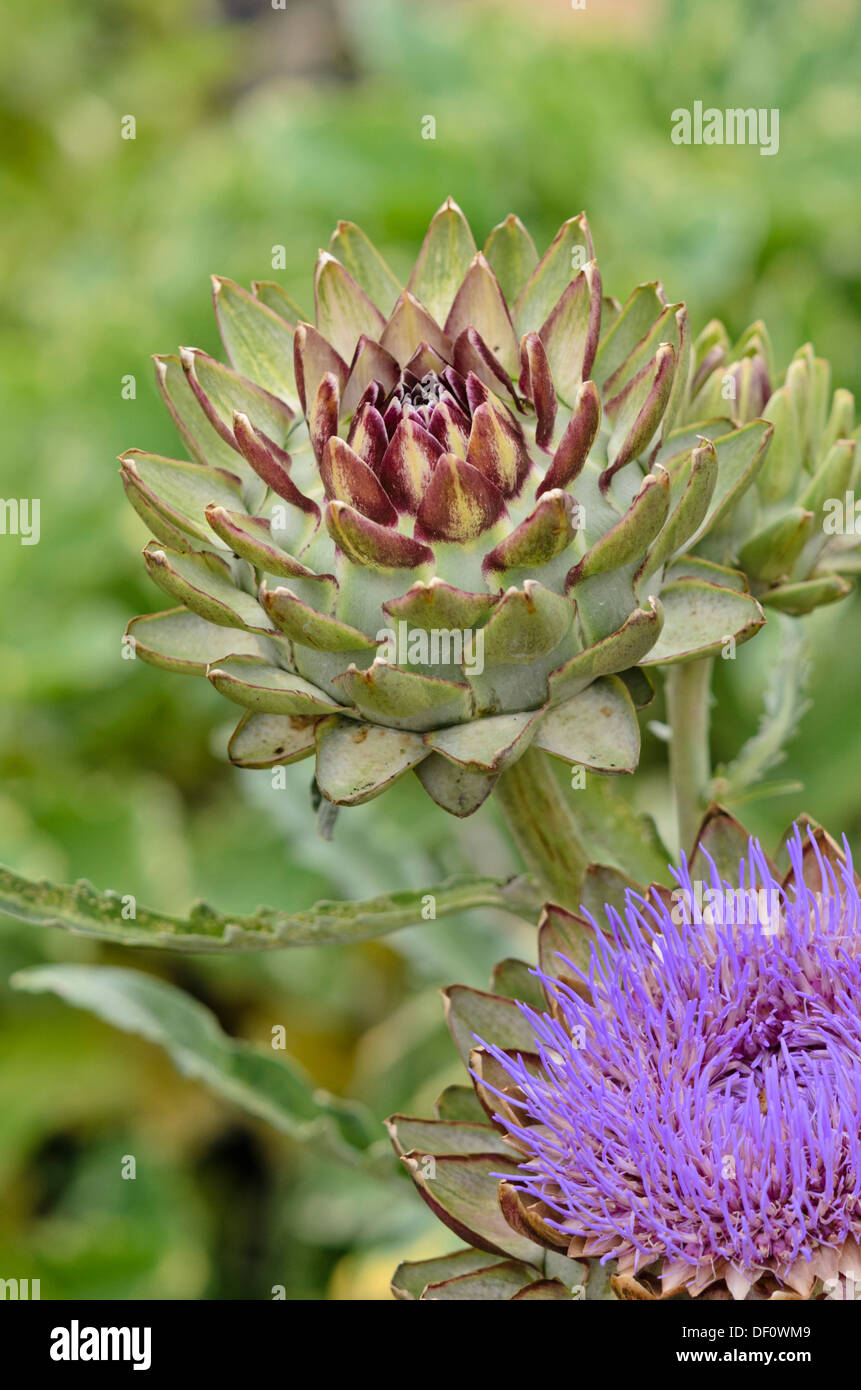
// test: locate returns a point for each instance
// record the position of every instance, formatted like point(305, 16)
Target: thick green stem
point(688, 688)
point(543, 825)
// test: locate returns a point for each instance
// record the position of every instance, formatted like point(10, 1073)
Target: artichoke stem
point(688, 696)
point(544, 827)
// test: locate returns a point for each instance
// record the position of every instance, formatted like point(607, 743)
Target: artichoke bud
point(434, 508)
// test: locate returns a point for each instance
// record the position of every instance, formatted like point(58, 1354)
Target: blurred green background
point(256, 128)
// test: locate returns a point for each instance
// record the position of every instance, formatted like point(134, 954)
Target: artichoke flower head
point(670, 1105)
point(446, 521)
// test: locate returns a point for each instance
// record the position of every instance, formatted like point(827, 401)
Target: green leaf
point(483, 744)
point(770, 554)
point(459, 790)
point(740, 455)
point(544, 1289)
point(204, 582)
point(613, 655)
point(405, 699)
point(642, 309)
point(561, 933)
point(444, 1137)
point(514, 979)
point(355, 762)
point(801, 598)
point(724, 840)
point(568, 333)
point(554, 271)
point(177, 491)
point(479, 303)
point(83, 911)
point(272, 1088)
point(603, 887)
point(198, 433)
point(251, 681)
point(344, 311)
point(278, 300)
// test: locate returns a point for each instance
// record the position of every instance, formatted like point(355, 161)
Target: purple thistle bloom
point(697, 1104)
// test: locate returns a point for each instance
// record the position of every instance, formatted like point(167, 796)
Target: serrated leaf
point(83, 911)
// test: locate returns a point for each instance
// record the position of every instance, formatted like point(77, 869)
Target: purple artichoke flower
point(668, 1108)
point(701, 1109)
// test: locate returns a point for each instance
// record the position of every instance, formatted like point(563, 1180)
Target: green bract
point(794, 531)
point(445, 522)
